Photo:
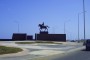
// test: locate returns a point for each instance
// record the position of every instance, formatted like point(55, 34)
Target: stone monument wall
point(19, 36)
point(51, 37)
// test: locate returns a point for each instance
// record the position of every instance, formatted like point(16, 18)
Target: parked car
point(84, 43)
point(87, 43)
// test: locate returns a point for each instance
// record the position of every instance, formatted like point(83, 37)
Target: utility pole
point(84, 18)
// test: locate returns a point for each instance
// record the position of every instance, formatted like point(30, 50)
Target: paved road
point(77, 55)
point(38, 47)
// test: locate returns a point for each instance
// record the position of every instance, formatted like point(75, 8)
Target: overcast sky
point(54, 13)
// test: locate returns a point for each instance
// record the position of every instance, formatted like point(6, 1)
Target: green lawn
point(7, 50)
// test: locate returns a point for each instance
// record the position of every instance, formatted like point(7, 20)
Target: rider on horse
point(42, 26)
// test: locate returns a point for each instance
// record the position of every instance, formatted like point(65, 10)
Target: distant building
point(5, 39)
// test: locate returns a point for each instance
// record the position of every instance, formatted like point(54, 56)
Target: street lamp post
point(17, 26)
point(65, 26)
point(84, 17)
point(78, 26)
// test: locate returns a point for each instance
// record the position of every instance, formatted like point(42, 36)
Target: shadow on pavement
point(85, 50)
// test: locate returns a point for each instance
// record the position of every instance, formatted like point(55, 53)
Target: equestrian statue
point(43, 27)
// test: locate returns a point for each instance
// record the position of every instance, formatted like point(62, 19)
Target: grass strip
point(49, 42)
point(7, 50)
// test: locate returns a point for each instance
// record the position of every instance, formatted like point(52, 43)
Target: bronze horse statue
point(42, 26)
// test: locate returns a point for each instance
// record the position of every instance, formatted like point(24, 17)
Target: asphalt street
point(39, 48)
point(76, 55)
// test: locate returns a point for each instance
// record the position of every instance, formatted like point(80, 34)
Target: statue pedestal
point(43, 32)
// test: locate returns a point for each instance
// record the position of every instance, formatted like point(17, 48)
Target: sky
point(54, 13)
